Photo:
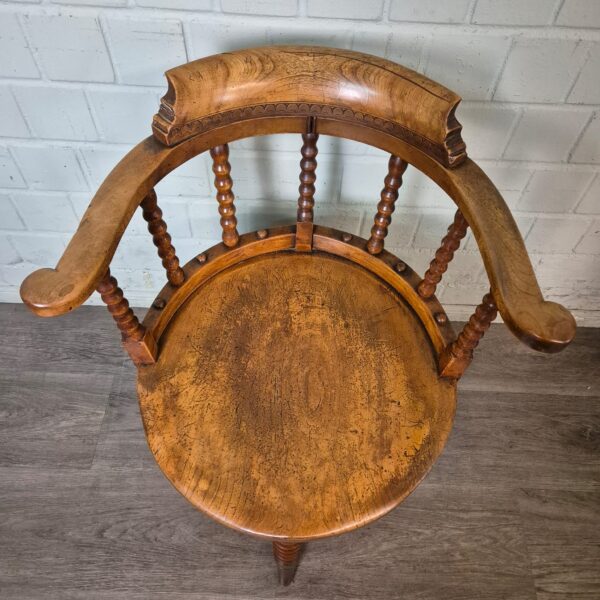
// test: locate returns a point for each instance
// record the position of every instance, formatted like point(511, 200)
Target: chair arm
point(52, 292)
point(542, 325)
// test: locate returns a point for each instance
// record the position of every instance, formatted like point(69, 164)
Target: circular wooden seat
point(296, 396)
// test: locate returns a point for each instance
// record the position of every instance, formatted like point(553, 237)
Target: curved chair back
point(309, 91)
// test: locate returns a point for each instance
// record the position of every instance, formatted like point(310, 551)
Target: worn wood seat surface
point(295, 395)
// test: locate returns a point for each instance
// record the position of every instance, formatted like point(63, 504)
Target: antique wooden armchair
point(299, 382)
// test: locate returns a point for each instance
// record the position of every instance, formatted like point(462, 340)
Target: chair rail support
point(456, 357)
point(162, 240)
point(137, 342)
point(443, 256)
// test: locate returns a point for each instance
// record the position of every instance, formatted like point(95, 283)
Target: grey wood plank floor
point(510, 511)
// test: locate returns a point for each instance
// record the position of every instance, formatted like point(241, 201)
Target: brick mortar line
point(213, 17)
point(579, 137)
point(586, 189)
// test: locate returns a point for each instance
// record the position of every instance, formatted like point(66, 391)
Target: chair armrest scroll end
point(48, 293)
point(552, 328)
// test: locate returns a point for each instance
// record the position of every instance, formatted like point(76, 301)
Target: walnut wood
point(136, 340)
point(458, 356)
point(385, 208)
point(306, 199)
point(256, 417)
point(308, 176)
point(304, 236)
point(280, 81)
point(112, 296)
point(162, 240)
point(443, 256)
point(543, 325)
point(287, 557)
point(225, 197)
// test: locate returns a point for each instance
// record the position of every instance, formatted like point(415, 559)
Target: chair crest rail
point(280, 81)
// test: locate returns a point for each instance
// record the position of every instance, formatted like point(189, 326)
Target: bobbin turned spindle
point(443, 256)
point(118, 307)
point(225, 196)
point(308, 176)
point(287, 557)
point(162, 240)
point(457, 357)
point(385, 208)
point(136, 342)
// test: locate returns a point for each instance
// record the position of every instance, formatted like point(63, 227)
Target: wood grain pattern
point(356, 381)
point(385, 208)
point(458, 356)
point(162, 240)
point(51, 419)
point(280, 81)
point(225, 197)
point(443, 256)
point(305, 382)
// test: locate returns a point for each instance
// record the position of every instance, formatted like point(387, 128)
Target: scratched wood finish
point(162, 240)
point(443, 256)
point(355, 381)
point(385, 208)
point(225, 197)
point(386, 266)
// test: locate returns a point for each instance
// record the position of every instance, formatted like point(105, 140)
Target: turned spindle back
point(309, 91)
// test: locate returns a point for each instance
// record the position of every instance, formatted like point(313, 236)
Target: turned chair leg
point(287, 557)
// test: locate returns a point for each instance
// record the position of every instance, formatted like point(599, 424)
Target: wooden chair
point(299, 382)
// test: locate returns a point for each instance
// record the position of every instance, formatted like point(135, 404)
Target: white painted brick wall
point(514, 12)
point(541, 70)
point(66, 113)
point(81, 79)
point(143, 49)
point(69, 48)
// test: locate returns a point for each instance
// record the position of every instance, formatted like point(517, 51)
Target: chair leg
point(287, 557)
